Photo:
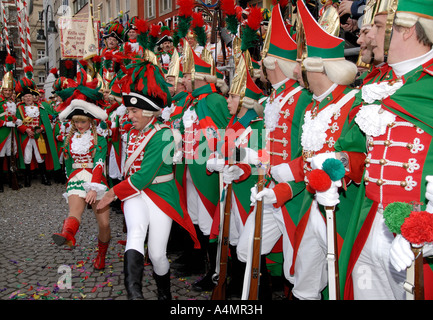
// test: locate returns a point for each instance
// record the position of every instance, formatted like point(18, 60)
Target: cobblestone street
point(31, 264)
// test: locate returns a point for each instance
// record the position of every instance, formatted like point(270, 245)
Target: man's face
point(377, 37)
point(132, 34)
point(192, 42)
point(166, 46)
point(112, 43)
point(28, 99)
point(139, 121)
point(365, 46)
point(7, 93)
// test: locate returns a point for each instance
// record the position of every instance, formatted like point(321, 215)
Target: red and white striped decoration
point(5, 28)
point(20, 26)
point(29, 42)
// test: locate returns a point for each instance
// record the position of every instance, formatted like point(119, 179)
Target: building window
point(41, 54)
point(164, 6)
point(41, 77)
point(79, 4)
point(150, 9)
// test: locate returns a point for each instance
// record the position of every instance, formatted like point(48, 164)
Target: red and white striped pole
point(29, 42)
point(5, 28)
point(20, 26)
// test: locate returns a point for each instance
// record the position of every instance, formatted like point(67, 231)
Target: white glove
point(282, 173)
point(317, 160)
point(10, 124)
point(329, 197)
point(267, 196)
point(429, 193)
point(251, 156)
point(401, 255)
point(232, 173)
point(215, 164)
point(177, 157)
point(253, 195)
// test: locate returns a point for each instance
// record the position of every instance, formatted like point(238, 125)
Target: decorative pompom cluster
point(418, 228)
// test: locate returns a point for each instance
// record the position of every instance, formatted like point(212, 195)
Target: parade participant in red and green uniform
point(326, 119)
point(283, 113)
point(35, 135)
point(85, 152)
point(131, 34)
point(394, 126)
point(149, 193)
point(206, 114)
point(244, 131)
point(166, 49)
point(7, 118)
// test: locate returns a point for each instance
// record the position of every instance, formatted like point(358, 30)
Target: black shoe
point(163, 285)
point(204, 284)
point(43, 171)
point(27, 176)
point(133, 268)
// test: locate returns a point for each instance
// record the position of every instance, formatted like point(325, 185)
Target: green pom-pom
point(103, 125)
point(395, 214)
point(334, 168)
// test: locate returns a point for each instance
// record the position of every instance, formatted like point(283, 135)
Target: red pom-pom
point(255, 17)
point(319, 180)
point(418, 227)
point(197, 20)
point(228, 7)
point(155, 29)
point(28, 69)
point(141, 26)
point(185, 7)
point(97, 59)
point(83, 62)
point(10, 59)
point(54, 71)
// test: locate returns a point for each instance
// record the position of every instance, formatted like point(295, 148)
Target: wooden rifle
point(257, 240)
point(219, 291)
point(414, 284)
point(332, 256)
point(13, 163)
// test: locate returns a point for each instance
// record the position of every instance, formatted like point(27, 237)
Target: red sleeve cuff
point(247, 171)
point(125, 190)
point(356, 166)
point(297, 167)
point(283, 192)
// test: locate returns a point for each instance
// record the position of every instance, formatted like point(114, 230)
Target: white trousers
point(6, 150)
point(374, 278)
point(31, 148)
point(273, 228)
point(311, 276)
point(142, 216)
point(196, 209)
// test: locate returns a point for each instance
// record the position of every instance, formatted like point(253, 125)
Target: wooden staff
point(332, 256)
point(219, 291)
point(257, 240)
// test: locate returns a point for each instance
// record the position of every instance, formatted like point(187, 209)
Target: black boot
point(43, 172)
point(206, 283)
point(163, 285)
point(133, 267)
point(27, 176)
point(196, 262)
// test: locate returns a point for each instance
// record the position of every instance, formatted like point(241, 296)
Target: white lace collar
point(326, 93)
